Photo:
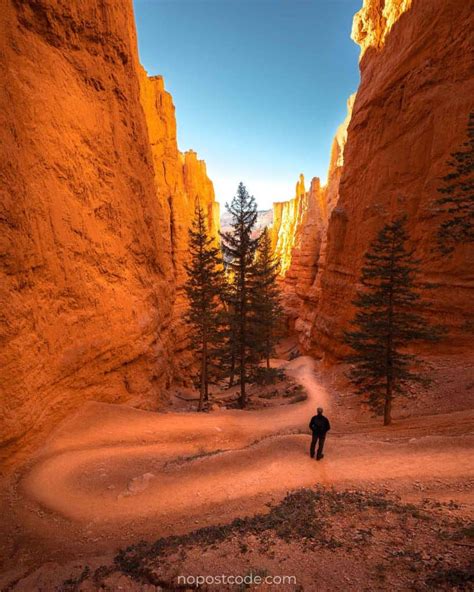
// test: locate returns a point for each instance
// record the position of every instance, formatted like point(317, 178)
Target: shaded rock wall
point(95, 203)
point(410, 113)
point(411, 110)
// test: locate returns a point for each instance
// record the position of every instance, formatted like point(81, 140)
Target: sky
point(260, 86)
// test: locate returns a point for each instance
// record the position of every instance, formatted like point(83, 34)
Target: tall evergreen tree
point(229, 328)
point(457, 201)
point(203, 289)
point(386, 321)
point(239, 251)
point(266, 298)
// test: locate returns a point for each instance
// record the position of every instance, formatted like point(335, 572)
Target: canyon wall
point(288, 221)
point(298, 228)
point(95, 204)
point(410, 113)
point(299, 234)
point(181, 182)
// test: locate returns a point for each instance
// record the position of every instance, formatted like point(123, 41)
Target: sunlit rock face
point(298, 227)
point(336, 161)
point(299, 234)
point(200, 188)
point(288, 219)
point(181, 183)
point(410, 113)
point(375, 20)
point(96, 200)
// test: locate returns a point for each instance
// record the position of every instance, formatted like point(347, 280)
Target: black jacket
point(319, 425)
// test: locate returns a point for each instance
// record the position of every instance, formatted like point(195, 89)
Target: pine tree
point(239, 251)
point(265, 298)
point(229, 326)
point(203, 289)
point(386, 321)
point(457, 203)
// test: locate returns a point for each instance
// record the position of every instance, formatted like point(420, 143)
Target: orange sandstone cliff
point(299, 234)
point(181, 181)
point(410, 113)
point(299, 226)
point(95, 204)
point(288, 220)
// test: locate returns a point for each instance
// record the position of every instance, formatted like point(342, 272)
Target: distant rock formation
point(95, 201)
point(264, 219)
point(299, 235)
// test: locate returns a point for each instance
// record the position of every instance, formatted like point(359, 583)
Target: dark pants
point(315, 439)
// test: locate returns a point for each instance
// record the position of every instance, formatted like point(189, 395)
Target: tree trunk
point(205, 378)
point(202, 390)
point(243, 331)
point(243, 340)
point(387, 412)
point(243, 394)
point(232, 370)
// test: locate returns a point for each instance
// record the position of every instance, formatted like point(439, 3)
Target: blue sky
point(260, 86)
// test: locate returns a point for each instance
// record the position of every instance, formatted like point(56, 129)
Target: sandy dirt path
point(114, 474)
point(106, 458)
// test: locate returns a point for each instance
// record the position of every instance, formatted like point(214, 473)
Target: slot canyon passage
point(111, 478)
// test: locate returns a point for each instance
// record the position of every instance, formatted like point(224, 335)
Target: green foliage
point(239, 249)
point(457, 201)
point(265, 299)
point(265, 376)
point(387, 320)
point(234, 313)
point(204, 287)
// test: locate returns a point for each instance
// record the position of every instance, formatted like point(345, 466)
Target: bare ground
point(112, 476)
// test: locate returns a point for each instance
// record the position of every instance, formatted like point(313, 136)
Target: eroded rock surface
point(95, 204)
point(299, 235)
point(409, 115)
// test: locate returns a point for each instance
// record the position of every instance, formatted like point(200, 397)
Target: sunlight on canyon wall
point(375, 20)
point(288, 217)
point(181, 181)
point(96, 201)
point(299, 235)
point(409, 115)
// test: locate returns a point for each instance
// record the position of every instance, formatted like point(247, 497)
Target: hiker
point(319, 425)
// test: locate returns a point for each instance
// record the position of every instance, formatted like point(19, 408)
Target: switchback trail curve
point(116, 465)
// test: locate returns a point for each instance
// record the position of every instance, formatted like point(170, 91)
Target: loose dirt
point(113, 475)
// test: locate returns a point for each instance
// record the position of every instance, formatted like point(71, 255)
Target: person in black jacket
point(320, 426)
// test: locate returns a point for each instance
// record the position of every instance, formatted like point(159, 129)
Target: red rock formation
point(299, 234)
point(410, 113)
point(375, 20)
point(198, 186)
point(181, 180)
point(288, 219)
point(298, 227)
point(94, 209)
